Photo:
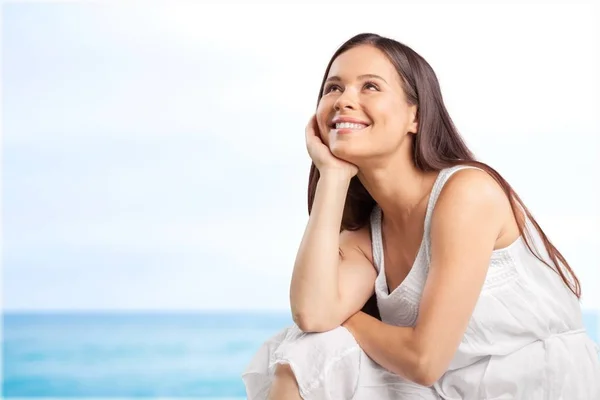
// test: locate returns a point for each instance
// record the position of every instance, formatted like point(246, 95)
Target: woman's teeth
point(349, 125)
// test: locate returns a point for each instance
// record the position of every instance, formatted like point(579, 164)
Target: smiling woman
point(421, 273)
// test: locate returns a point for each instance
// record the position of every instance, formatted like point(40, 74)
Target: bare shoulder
point(357, 241)
point(473, 192)
point(475, 187)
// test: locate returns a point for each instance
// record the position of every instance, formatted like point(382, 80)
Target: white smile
point(350, 125)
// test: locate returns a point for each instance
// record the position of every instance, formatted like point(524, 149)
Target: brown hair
point(437, 145)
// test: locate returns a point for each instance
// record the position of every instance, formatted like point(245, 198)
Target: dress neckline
point(381, 278)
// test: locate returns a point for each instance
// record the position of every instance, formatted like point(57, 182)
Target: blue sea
point(200, 355)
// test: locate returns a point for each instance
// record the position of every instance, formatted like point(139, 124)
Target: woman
point(472, 299)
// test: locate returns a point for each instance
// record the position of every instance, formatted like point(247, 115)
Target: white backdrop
point(154, 157)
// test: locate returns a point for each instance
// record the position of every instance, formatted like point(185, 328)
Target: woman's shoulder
point(472, 190)
point(474, 184)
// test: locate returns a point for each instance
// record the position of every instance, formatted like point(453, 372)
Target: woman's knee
point(284, 371)
point(326, 361)
point(284, 385)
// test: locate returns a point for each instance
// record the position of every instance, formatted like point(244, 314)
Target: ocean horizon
point(102, 354)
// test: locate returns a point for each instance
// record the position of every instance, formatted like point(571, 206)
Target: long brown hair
point(437, 145)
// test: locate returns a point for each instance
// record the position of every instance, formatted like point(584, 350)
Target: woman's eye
point(368, 84)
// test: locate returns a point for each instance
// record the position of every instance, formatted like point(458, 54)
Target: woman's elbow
point(314, 323)
point(426, 373)
point(426, 379)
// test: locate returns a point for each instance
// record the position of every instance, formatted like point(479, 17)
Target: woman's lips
point(348, 130)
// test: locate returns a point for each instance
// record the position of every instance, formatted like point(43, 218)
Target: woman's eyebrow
point(337, 78)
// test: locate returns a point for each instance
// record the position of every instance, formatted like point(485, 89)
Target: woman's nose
point(345, 101)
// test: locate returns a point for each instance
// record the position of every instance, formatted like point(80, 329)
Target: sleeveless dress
point(525, 339)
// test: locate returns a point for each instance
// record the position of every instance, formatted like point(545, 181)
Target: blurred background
point(154, 170)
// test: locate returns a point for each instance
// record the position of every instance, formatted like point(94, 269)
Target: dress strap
point(375, 219)
point(376, 238)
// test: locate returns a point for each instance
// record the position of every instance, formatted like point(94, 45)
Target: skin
point(472, 218)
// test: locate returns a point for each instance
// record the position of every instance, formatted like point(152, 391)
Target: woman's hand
point(322, 157)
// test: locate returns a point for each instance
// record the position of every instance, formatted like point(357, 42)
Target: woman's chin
point(345, 153)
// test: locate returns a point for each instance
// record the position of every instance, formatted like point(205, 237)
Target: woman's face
point(363, 85)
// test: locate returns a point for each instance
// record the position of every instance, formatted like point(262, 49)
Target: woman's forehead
point(361, 62)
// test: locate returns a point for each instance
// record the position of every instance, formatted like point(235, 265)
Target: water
point(198, 355)
point(147, 355)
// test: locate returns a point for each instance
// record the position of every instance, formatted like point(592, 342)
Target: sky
point(153, 155)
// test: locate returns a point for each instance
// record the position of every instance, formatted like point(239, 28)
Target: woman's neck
point(398, 187)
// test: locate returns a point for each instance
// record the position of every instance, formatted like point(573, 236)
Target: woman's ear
point(413, 127)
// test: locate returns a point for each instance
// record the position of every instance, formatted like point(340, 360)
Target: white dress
point(525, 340)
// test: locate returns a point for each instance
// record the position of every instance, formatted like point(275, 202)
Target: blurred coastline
point(140, 354)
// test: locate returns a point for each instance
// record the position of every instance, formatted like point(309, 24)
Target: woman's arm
point(329, 285)
point(468, 219)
